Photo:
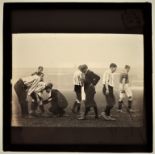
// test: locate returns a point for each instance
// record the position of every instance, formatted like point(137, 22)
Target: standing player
point(78, 79)
point(125, 89)
point(108, 84)
point(91, 80)
point(24, 87)
point(45, 94)
point(36, 98)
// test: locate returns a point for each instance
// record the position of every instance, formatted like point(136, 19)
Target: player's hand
point(50, 99)
point(107, 92)
point(91, 85)
point(123, 91)
point(40, 103)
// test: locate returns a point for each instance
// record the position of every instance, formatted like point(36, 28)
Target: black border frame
point(7, 71)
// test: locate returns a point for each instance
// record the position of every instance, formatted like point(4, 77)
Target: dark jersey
point(90, 78)
point(124, 76)
point(58, 99)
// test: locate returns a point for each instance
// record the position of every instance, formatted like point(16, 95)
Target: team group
point(33, 89)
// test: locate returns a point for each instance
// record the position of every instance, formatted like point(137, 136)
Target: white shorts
point(127, 91)
point(83, 95)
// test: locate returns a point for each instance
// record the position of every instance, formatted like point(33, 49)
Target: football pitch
point(62, 80)
point(70, 120)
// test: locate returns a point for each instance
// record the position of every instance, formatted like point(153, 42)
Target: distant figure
point(108, 84)
point(125, 89)
point(91, 79)
point(23, 88)
point(78, 80)
point(39, 71)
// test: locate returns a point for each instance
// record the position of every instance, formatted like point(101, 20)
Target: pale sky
point(70, 50)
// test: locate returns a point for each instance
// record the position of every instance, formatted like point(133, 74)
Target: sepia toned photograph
point(77, 80)
point(77, 77)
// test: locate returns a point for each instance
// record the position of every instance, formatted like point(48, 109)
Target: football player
point(125, 90)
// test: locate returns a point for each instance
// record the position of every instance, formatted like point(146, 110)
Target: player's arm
point(96, 78)
point(33, 73)
point(37, 97)
point(34, 85)
point(107, 76)
point(122, 81)
point(47, 101)
point(82, 79)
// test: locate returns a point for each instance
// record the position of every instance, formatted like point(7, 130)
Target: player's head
point(113, 67)
point(80, 67)
point(48, 87)
point(84, 68)
point(40, 69)
point(127, 68)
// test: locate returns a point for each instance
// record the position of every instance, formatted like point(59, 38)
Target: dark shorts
point(90, 94)
point(20, 90)
point(77, 88)
point(110, 98)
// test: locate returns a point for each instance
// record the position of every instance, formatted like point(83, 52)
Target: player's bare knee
point(120, 100)
point(130, 98)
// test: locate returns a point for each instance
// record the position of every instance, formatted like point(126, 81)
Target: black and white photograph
point(77, 77)
point(77, 80)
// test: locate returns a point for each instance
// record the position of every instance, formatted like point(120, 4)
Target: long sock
point(129, 104)
point(96, 111)
point(42, 108)
point(120, 105)
point(107, 110)
point(74, 106)
point(86, 111)
point(78, 108)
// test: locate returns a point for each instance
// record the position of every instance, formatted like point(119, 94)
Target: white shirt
point(108, 78)
point(31, 82)
point(44, 95)
point(78, 77)
point(40, 86)
point(39, 89)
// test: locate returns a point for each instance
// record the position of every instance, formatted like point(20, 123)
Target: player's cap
point(84, 66)
point(40, 67)
point(49, 85)
point(80, 67)
point(127, 67)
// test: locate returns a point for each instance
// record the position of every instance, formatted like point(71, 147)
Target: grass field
point(61, 80)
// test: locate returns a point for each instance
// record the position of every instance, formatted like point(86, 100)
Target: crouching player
point(44, 94)
point(125, 90)
point(40, 96)
point(58, 103)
